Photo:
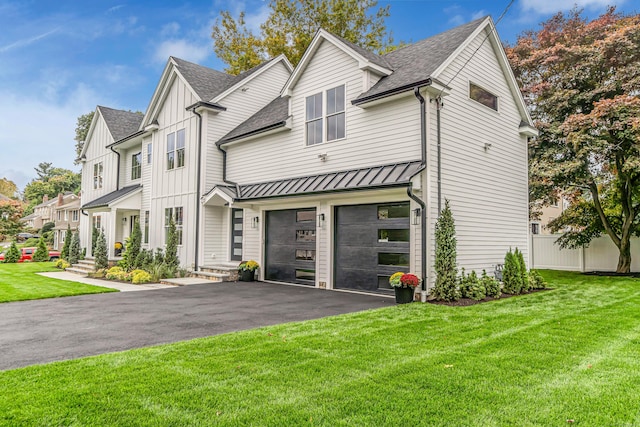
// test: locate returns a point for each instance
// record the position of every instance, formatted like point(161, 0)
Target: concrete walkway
point(122, 287)
point(41, 331)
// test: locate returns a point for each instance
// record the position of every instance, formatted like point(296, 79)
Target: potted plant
point(404, 285)
point(247, 270)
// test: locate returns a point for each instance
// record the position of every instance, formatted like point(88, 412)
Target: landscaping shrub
point(64, 253)
point(99, 273)
point(62, 264)
point(524, 276)
point(13, 254)
point(491, 285)
point(31, 241)
point(48, 226)
point(132, 245)
point(471, 287)
point(140, 276)
point(446, 286)
point(171, 251)
point(144, 259)
point(74, 249)
point(94, 239)
point(100, 253)
point(118, 273)
point(158, 257)
point(536, 281)
point(511, 276)
point(42, 252)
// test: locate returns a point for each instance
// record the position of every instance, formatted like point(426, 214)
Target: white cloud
point(28, 41)
point(553, 6)
point(479, 14)
point(170, 29)
point(183, 49)
point(254, 20)
point(115, 8)
point(457, 20)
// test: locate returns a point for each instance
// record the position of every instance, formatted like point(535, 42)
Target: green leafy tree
point(171, 252)
point(10, 213)
point(82, 129)
point(42, 252)
point(100, 253)
point(446, 286)
point(13, 253)
point(8, 187)
point(47, 227)
point(291, 26)
point(130, 256)
point(74, 249)
point(64, 254)
point(581, 80)
point(51, 182)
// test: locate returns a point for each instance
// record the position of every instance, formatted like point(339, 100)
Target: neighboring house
point(332, 174)
point(66, 214)
point(42, 214)
point(547, 214)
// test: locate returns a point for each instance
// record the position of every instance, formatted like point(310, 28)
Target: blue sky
point(59, 59)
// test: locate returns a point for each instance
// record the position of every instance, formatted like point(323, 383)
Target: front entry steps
point(221, 272)
point(83, 267)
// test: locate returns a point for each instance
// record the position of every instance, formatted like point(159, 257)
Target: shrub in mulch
point(463, 302)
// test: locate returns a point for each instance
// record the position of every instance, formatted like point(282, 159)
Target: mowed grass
point(19, 282)
point(569, 356)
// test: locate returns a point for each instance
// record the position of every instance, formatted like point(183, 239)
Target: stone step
point(87, 261)
point(227, 271)
point(213, 276)
point(77, 271)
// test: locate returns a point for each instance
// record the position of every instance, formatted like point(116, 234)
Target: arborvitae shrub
point(171, 252)
point(536, 281)
point(64, 253)
point(74, 248)
point(511, 276)
point(524, 276)
point(100, 253)
point(446, 286)
point(133, 242)
point(42, 252)
point(13, 254)
point(491, 285)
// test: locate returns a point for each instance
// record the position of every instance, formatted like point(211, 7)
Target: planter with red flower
point(404, 285)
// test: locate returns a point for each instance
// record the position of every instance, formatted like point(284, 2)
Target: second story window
point(175, 149)
point(97, 176)
point(149, 148)
point(483, 96)
point(74, 216)
point(333, 115)
point(136, 166)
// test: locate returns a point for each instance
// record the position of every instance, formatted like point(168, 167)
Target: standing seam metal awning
point(396, 174)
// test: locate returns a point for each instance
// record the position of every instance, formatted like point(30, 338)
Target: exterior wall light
point(321, 220)
point(124, 220)
point(415, 218)
point(254, 222)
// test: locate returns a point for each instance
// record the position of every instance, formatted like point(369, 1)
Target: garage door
point(291, 246)
point(371, 243)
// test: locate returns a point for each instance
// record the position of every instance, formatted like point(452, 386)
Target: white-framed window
point(483, 96)
point(325, 107)
point(149, 151)
point(66, 215)
point(59, 215)
point(97, 175)
point(177, 214)
point(535, 228)
point(74, 216)
point(175, 149)
point(136, 166)
point(97, 222)
point(63, 235)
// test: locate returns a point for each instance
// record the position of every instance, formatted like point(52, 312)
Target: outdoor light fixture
point(415, 219)
point(321, 220)
point(255, 221)
point(124, 220)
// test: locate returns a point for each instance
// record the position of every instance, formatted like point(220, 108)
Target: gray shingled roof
point(119, 122)
point(273, 115)
point(111, 197)
point(396, 174)
point(417, 62)
point(209, 83)
point(373, 57)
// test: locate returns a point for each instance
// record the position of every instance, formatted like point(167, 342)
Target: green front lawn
point(541, 359)
point(20, 282)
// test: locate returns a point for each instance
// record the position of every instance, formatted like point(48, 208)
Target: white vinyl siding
point(387, 133)
point(487, 189)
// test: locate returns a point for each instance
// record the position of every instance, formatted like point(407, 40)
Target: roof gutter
point(252, 133)
point(209, 105)
point(117, 167)
point(419, 201)
point(198, 188)
point(394, 91)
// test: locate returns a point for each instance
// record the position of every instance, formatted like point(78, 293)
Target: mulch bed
point(463, 302)
point(612, 274)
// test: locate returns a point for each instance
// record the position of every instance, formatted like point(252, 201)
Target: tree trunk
point(624, 260)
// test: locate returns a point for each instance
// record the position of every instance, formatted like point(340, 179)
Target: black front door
point(371, 243)
point(236, 234)
point(291, 246)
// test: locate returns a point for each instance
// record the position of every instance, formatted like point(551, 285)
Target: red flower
point(409, 279)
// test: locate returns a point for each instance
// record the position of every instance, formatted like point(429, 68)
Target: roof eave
point(266, 130)
point(209, 106)
point(391, 92)
point(338, 190)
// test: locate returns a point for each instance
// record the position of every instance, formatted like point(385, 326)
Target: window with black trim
point(175, 149)
point(97, 175)
point(177, 214)
point(136, 166)
point(334, 113)
point(483, 96)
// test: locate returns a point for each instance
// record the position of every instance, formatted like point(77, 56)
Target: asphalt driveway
point(42, 331)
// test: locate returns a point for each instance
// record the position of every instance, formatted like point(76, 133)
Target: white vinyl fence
point(600, 255)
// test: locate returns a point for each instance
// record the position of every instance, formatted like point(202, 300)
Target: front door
point(291, 246)
point(236, 234)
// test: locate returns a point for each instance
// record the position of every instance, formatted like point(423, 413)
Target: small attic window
point(483, 96)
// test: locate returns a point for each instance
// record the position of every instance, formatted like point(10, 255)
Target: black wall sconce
point(415, 218)
point(255, 221)
point(321, 220)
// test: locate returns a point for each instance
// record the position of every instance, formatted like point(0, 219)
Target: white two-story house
point(331, 174)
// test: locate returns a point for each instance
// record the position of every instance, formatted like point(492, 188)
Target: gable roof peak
point(121, 123)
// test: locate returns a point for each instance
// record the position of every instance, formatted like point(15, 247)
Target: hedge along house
point(342, 176)
point(152, 167)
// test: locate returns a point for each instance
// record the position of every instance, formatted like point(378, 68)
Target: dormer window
point(483, 96)
point(334, 113)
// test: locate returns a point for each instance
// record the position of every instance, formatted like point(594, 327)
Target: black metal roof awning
point(107, 199)
point(397, 174)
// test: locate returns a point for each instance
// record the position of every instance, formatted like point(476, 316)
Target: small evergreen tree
point(491, 285)
point(100, 252)
point(64, 254)
point(74, 249)
point(511, 275)
point(524, 276)
point(158, 257)
point(171, 252)
point(94, 239)
point(133, 242)
point(13, 254)
point(42, 252)
point(446, 287)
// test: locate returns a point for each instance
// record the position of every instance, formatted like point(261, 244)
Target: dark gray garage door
point(371, 243)
point(291, 246)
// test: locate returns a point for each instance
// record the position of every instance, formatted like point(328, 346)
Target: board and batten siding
point(240, 105)
point(487, 188)
point(147, 189)
point(377, 135)
point(127, 163)
point(215, 234)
